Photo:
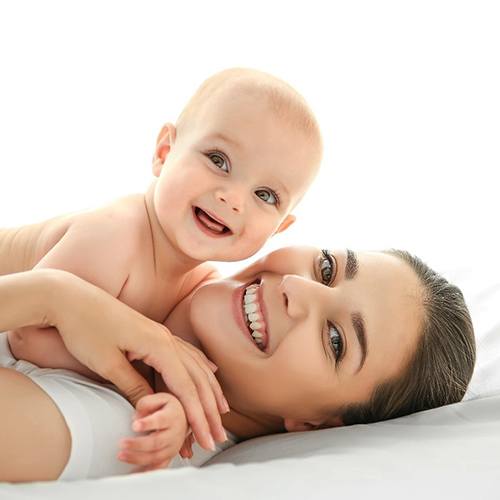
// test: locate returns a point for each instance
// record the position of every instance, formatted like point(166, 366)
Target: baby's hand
point(162, 416)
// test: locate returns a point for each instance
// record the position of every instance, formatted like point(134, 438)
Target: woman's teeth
point(254, 317)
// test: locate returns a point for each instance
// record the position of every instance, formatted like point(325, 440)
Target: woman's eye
point(327, 267)
point(219, 160)
point(267, 196)
point(335, 340)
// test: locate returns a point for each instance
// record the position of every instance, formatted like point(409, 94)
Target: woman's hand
point(100, 331)
point(162, 417)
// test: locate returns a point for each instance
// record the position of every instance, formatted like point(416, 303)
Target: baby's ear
point(164, 143)
point(286, 223)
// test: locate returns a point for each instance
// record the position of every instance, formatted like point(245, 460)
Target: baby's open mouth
point(208, 222)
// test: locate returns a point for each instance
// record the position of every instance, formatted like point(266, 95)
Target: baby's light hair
point(283, 99)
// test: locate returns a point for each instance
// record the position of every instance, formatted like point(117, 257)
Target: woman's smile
point(249, 313)
point(254, 314)
point(293, 307)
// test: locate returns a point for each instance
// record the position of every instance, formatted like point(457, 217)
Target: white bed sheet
point(449, 452)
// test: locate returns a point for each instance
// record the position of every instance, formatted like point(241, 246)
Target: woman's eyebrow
point(358, 323)
point(351, 265)
point(359, 327)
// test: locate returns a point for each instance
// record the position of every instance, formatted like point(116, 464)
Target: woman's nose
point(296, 295)
point(233, 197)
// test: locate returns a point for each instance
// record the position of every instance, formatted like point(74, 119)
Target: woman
point(345, 338)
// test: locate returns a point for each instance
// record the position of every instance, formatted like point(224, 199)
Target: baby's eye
point(219, 160)
point(335, 340)
point(268, 196)
point(327, 267)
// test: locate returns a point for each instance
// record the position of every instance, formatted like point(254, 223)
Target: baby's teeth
point(254, 316)
point(250, 299)
point(255, 325)
point(250, 308)
point(256, 335)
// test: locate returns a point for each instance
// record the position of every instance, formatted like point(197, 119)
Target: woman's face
point(334, 326)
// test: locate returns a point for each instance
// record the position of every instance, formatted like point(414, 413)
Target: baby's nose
point(232, 198)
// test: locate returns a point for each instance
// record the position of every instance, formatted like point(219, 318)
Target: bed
point(449, 452)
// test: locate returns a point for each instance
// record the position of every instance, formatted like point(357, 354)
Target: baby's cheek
point(258, 232)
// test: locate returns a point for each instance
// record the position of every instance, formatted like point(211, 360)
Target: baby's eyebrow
point(219, 136)
point(281, 186)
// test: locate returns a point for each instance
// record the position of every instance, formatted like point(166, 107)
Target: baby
point(227, 176)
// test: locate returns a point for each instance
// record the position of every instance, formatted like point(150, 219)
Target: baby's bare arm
point(45, 348)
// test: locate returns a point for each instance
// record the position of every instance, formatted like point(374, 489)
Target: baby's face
point(231, 178)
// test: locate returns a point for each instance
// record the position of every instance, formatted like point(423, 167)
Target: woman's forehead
point(389, 294)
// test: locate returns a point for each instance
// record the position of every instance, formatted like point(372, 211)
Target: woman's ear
point(287, 222)
point(164, 143)
point(292, 425)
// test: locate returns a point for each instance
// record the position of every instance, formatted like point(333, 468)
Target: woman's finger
point(222, 403)
point(201, 355)
point(207, 399)
point(128, 381)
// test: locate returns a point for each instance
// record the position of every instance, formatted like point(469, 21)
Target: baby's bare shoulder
point(126, 214)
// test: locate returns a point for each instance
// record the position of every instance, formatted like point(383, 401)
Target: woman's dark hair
point(440, 369)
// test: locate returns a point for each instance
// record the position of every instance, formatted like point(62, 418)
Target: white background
point(406, 93)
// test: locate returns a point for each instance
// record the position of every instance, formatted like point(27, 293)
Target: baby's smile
point(210, 224)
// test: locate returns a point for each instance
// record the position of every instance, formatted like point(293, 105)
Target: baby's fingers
point(186, 450)
point(151, 403)
point(157, 421)
point(145, 459)
point(151, 442)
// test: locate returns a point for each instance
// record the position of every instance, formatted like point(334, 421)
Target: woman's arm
point(26, 299)
point(101, 332)
point(33, 449)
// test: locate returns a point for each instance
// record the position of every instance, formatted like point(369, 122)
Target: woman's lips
point(238, 313)
point(263, 311)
